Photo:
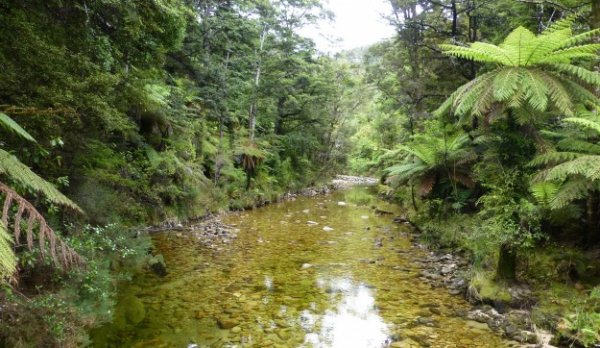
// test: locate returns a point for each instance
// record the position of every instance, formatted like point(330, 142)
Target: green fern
point(544, 192)
point(575, 168)
point(8, 260)
point(47, 240)
point(531, 72)
point(429, 158)
point(16, 170)
point(9, 124)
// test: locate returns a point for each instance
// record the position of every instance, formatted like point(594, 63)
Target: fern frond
point(482, 104)
point(580, 93)
point(579, 146)
point(589, 124)
point(404, 172)
point(558, 94)
point(9, 124)
point(583, 37)
point(471, 92)
point(446, 106)
point(591, 77)
point(561, 24)
point(544, 192)
point(535, 89)
point(8, 259)
point(567, 54)
point(48, 240)
point(478, 52)
point(586, 166)
point(516, 45)
point(545, 44)
point(506, 83)
point(554, 157)
point(568, 192)
point(11, 166)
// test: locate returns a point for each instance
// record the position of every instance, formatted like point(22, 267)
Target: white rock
point(312, 222)
point(342, 203)
point(306, 265)
point(306, 211)
point(327, 229)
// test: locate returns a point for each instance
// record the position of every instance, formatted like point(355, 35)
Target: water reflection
point(354, 322)
point(292, 285)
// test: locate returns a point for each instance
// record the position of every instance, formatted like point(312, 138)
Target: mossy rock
point(490, 291)
point(130, 312)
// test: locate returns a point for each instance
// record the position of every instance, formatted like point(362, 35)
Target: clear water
point(287, 283)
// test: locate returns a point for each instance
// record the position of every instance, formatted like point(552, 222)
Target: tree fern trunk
point(412, 196)
point(593, 231)
point(595, 14)
point(507, 263)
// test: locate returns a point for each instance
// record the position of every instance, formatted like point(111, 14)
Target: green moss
point(490, 290)
point(130, 312)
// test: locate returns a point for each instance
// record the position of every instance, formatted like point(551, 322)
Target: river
point(324, 271)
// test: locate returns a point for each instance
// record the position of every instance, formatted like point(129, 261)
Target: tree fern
point(575, 168)
point(530, 72)
point(47, 240)
point(8, 260)
point(37, 229)
point(9, 124)
point(544, 192)
point(429, 158)
point(16, 170)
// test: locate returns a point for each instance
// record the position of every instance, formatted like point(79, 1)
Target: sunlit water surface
point(347, 281)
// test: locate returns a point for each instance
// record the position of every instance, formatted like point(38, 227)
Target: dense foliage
point(141, 112)
point(486, 129)
point(479, 116)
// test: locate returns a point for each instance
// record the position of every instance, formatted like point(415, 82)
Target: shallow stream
point(325, 271)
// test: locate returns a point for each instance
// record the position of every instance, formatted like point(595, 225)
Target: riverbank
point(440, 269)
point(297, 273)
point(528, 312)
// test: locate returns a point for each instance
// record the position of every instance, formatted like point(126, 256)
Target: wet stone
point(285, 285)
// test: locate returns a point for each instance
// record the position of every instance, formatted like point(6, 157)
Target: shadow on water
point(344, 280)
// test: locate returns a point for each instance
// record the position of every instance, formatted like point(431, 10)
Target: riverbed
point(328, 271)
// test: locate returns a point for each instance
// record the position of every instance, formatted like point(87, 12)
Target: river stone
point(157, 265)
point(130, 311)
point(226, 323)
point(236, 330)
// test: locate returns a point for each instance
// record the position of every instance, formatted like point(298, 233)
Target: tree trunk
point(507, 263)
point(454, 20)
point(253, 105)
point(595, 14)
point(593, 231)
point(412, 196)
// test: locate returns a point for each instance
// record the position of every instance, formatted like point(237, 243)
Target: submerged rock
point(226, 323)
point(158, 266)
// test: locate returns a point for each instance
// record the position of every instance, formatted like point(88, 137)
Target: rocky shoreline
point(440, 269)
point(511, 319)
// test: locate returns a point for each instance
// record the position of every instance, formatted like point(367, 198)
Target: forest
point(478, 118)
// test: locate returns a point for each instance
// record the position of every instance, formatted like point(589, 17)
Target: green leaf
point(16, 170)
point(9, 124)
point(8, 260)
